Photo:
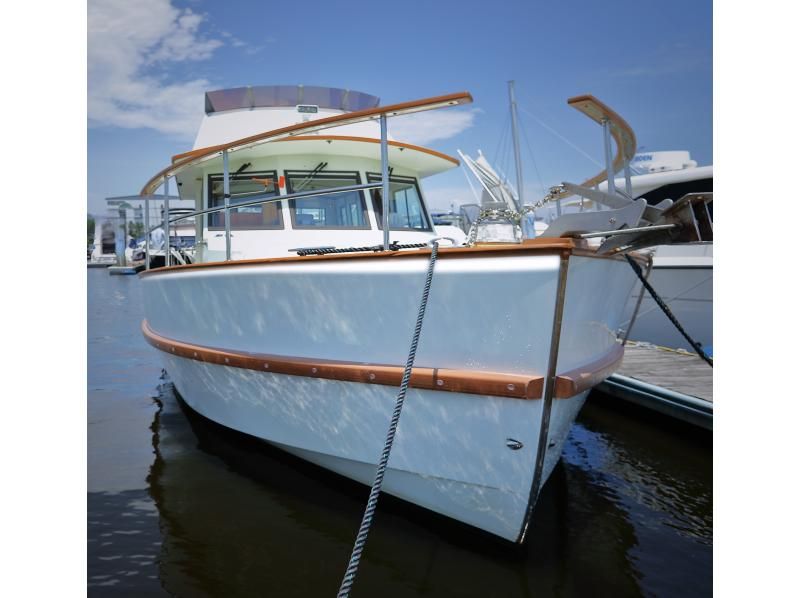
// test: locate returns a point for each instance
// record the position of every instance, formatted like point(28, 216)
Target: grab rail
point(613, 126)
point(272, 198)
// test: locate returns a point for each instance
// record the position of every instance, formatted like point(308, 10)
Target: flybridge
point(282, 96)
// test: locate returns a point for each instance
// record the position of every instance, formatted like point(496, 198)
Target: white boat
point(103, 253)
point(682, 274)
point(306, 351)
point(181, 243)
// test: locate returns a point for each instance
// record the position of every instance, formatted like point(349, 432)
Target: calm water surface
point(179, 506)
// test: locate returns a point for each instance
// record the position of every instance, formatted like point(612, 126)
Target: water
point(179, 506)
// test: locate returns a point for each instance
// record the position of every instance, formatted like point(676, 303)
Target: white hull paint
point(485, 314)
point(450, 455)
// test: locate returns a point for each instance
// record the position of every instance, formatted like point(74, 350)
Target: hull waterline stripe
point(515, 386)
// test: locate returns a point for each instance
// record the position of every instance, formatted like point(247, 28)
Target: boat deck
point(675, 383)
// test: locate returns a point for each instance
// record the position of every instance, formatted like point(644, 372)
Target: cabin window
point(246, 186)
point(406, 210)
point(345, 210)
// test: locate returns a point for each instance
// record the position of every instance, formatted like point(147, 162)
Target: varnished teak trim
point(574, 381)
point(622, 133)
point(515, 386)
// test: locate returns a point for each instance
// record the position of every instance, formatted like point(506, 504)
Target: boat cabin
point(343, 156)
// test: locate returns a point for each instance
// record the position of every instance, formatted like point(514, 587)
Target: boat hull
point(467, 455)
point(450, 454)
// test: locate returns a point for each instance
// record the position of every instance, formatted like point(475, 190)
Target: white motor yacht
point(682, 274)
point(294, 321)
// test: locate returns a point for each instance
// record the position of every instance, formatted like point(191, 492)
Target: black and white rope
point(372, 502)
point(326, 250)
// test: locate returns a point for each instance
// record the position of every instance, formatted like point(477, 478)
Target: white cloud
point(248, 48)
point(128, 41)
point(433, 125)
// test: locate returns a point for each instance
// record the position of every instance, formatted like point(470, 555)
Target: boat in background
point(119, 237)
point(293, 323)
point(182, 242)
point(682, 274)
point(103, 253)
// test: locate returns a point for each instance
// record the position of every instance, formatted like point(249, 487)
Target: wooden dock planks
point(674, 383)
point(675, 370)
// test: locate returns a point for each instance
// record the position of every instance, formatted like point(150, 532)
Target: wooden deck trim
point(530, 247)
point(583, 378)
point(497, 384)
point(453, 99)
point(399, 144)
point(516, 386)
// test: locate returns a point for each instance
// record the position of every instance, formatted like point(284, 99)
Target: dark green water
point(179, 506)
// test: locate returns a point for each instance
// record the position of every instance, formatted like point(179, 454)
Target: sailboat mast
point(515, 133)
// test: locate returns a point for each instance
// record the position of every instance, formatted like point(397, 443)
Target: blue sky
point(150, 61)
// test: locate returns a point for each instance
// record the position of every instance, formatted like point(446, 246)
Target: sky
point(150, 62)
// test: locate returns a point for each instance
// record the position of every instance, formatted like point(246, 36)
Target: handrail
point(619, 129)
point(271, 199)
point(347, 118)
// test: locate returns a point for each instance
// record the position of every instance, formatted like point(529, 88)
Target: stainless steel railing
point(256, 201)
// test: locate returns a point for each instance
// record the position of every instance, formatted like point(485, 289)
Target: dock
point(675, 383)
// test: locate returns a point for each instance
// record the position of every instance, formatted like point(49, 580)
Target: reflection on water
point(124, 542)
point(627, 512)
point(123, 535)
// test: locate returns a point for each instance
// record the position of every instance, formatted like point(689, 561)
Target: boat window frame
point(266, 174)
point(322, 175)
point(400, 179)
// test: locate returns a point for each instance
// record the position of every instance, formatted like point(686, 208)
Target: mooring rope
point(668, 312)
point(372, 502)
point(326, 250)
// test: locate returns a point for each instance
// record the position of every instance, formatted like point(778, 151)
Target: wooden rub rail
point(516, 386)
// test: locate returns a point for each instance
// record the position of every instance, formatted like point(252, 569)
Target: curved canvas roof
point(281, 96)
